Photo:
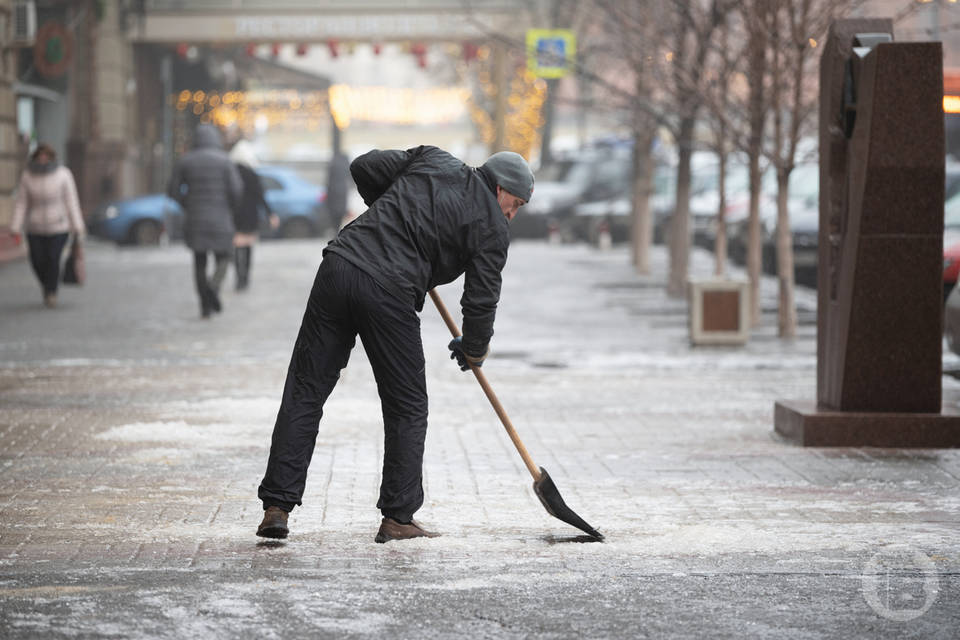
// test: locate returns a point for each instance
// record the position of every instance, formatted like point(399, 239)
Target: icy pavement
point(133, 436)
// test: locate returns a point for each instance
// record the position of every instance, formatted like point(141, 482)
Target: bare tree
point(720, 103)
point(756, 16)
point(796, 27)
point(694, 24)
point(666, 47)
point(633, 51)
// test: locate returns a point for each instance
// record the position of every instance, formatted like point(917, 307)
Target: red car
point(951, 268)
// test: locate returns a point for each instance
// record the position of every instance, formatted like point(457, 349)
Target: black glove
point(464, 360)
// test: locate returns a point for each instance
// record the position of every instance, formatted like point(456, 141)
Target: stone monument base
point(804, 424)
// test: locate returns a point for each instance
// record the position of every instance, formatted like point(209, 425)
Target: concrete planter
point(719, 311)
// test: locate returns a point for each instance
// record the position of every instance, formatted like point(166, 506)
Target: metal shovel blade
point(553, 502)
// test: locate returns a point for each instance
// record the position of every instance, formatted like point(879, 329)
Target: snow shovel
point(543, 484)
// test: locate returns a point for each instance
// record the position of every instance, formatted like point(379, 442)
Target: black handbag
point(74, 271)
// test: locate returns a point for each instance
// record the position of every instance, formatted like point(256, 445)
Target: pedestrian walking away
point(208, 187)
point(431, 219)
point(48, 208)
point(253, 205)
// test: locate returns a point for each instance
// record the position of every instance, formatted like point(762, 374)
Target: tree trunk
point(784, 241)
point(680, 224)
point(642, 228)
point(754, 239)
point(757, 66)
point(720, 244)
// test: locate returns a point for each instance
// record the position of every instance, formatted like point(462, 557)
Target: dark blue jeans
point(346, 302)
point(45, 253)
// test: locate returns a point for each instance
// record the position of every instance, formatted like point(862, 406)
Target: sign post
point(551, 53)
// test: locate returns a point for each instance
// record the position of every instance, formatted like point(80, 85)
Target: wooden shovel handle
point(487, 389)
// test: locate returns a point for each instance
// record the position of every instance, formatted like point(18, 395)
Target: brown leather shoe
point(390, 529)
point(274, 524)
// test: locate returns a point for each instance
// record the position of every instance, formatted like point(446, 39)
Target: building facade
point(9, 139)
point(98, 81)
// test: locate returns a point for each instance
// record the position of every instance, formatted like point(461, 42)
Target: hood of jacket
point(207, 136)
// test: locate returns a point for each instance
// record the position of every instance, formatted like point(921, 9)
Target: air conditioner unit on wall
point(23, 23)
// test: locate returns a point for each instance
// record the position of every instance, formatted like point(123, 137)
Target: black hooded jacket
point(431, 218)
point(208, 187)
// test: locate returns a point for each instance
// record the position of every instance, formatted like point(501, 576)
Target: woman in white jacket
point(48, 208)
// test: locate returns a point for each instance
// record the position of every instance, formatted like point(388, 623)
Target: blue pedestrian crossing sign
point(550, 52)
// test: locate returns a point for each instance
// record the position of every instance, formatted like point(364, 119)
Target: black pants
point(346, 302)
point(242, 260)
point(209, 288)
point(45, 252)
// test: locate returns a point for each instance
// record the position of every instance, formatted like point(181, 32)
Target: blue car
point(144, 220)
point(299, 204)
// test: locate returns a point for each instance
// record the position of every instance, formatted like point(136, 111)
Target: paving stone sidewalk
point(133, 436)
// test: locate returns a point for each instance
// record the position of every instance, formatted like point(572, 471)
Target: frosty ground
point(133, 436)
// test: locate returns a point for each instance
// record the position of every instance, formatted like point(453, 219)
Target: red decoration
point(275, 49)
point(470, 51)
point(377, 48)
point(302, 49)
point(334, 47)
point(53, 49)
point(419, 51)
point(251, 49)
point(182, 49)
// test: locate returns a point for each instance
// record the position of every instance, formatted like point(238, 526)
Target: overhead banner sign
point(225, 27)
point(551, 52)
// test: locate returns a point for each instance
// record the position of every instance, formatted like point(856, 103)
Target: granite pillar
point(879, 316)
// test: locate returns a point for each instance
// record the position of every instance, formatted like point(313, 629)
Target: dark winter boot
point(274, 524)
point(205, 308)
point(213, 298)
point(390, 529)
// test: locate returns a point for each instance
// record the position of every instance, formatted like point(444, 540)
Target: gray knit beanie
point(512, 173)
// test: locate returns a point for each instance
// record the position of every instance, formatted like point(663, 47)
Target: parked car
point(299, 204)
point(951, 217)
point(705, 200)
point(704, 178)
point(952, 185)
point(951, 268)
point(591, 219)
point(591, 175)
point(803, 206)
point(951, 243)
point(951, 320)
point(804, 232)
point(613, 214)
point(144, 220)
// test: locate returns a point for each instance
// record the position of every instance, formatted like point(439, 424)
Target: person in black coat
point(246, 217)
point(207, 186)
point(431, 219)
